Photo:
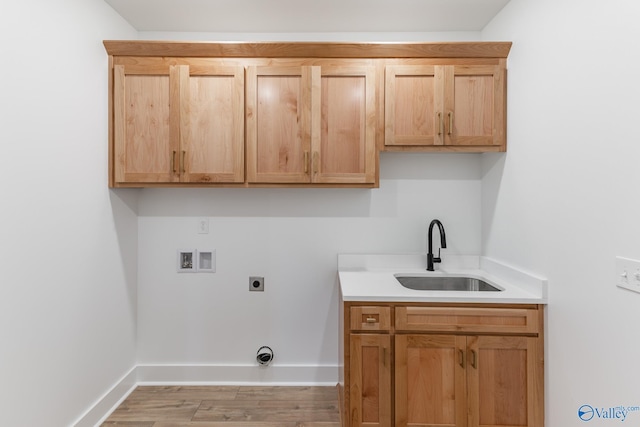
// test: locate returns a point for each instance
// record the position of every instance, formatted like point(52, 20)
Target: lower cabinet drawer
point(370, 318)
point(462, 319)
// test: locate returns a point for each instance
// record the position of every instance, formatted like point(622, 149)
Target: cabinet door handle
point(316, 160)
point(440, 124)
point(173, 161)
point(461, 357)
point(182, 161)
point(474, 360)
point(450, 123)
point(306, 162)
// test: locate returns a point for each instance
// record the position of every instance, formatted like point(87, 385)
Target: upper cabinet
point(278, 124)
point(177, 123)
point(445, 107)
point(295, 114)
point(311, 124)
point(344, 141)
point(144, 139)
point(212, 124)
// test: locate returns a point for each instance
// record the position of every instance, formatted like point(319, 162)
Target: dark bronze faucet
point(443, 244)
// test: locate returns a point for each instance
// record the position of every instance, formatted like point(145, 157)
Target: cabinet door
point(370, 380)
point(414, 105)
point(212, 124)
point(344, 125)
point(278, 124)
point(503, 375)
point(474, 106)
point(146, 138)
point(430, 386)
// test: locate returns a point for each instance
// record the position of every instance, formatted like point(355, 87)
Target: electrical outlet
point(203, 226)
point(256, 284)
point(628, 274)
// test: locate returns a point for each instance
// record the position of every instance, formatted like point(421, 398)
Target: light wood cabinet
point(278, 124)
point(144, 136)
point(370, 366)
point(431, 386)
point(442, 378)
point(504, 380)
point(445, 107)
point(311, 124)
point(370, 380)
point(295, 114)
point(344, 144)
point(177, 123)
point(452, 365)
point(212, 124)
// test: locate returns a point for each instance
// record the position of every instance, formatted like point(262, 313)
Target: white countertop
point(370, 277)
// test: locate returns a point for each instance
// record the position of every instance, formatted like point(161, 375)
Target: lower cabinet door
point(430, 381)
point(503, 378)
point(370, 380)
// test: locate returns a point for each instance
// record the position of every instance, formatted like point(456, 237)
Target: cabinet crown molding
point(309, 49)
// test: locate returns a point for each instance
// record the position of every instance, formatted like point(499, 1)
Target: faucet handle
point(437, 259)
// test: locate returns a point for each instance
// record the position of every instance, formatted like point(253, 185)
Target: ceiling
point(307, 16)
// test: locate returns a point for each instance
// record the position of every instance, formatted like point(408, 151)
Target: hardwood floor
point(228, 406)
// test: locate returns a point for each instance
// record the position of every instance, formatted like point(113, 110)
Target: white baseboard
point(280, 375)
point(109, 401)
point(238, 374)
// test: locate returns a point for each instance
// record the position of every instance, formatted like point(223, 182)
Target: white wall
point(564, 200)
point(67, 244)
point(292, 238)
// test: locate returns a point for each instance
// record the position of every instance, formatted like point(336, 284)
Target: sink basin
point(430, 283)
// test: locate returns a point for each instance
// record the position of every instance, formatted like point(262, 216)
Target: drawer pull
point(370, 318)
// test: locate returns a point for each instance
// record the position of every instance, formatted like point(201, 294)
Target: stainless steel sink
point(431, 283)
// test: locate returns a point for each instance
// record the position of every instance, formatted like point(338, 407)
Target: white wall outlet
point(628, 273)
point(187, 262)
point(207, 261)
point(203, 226)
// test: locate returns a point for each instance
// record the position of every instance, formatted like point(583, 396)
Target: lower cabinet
point(452, 380)
point(443, 366)
point(430, 381)
point(370, 380)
